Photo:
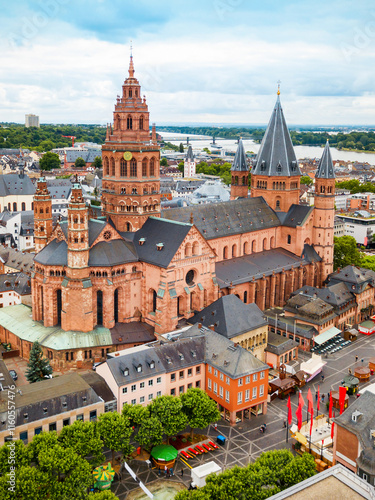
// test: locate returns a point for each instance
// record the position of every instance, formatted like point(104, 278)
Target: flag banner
point(299, 417)
point(301, 401)
point(318, 399)
point(330, 405)
point(332, 430)
point(290, 416)
point(311, 418)
point(310, 400)
point(342, 394)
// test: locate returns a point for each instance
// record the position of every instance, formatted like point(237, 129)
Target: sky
point(198, 61)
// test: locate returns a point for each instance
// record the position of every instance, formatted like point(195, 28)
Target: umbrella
point(104, 474)
point(164, 452)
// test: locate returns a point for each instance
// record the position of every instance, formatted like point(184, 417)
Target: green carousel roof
point(164, 452)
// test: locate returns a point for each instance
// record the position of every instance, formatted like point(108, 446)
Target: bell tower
point(131, 161)
point(276, 175)
point(324, 212)
point(78, 240)
point(240, 174)
point(42, 215)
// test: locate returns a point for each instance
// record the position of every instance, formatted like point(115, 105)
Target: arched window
point(277, 203)
point(154, 299)
point(195, 248)
point(272, 242)
point(14, 207)
point(115, 306)
point(23, 206)
point(245, 248)
point(225, 252)
point(113, 167)
point(188, 250)
point(152, 167)
point(128, 226)
point(236, 180)
point(99, 307)
point(144, 167)
point(133, 168)
point(244, 180)
point(130, 93)
point(265, 244)
point(41, 211)
point(123, 168)
point(234, 251)
point(59, 306)
point(129, 120)
point(117, 122)
point(289, 239)
point(141, 122)
point(245, 297)
point(106, 166)
point(253, 246)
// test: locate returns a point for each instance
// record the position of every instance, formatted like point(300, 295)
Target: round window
point(107, 235)
point(190, 277)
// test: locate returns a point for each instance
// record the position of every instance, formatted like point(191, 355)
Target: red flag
point(290, 416)
point(342, 394)
point(310, 400)
point(318, 399)
point(330, 405)
point(301, 401)
point(311, 418)
point(332, 426)
point(299, 417)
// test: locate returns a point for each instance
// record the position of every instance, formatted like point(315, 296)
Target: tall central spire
point(131, 64)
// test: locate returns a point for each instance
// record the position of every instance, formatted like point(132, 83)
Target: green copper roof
point(18, 320)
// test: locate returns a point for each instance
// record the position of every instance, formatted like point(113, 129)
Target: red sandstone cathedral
point(139, 266)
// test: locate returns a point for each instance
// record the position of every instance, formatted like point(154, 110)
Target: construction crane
point(70, 137)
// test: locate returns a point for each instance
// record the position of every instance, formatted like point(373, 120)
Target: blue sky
point(213, 61)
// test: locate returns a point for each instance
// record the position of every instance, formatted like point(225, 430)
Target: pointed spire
point(131, 64)
point(325, 168)
point(189, 154)
point(276, 155)
point(239, 163)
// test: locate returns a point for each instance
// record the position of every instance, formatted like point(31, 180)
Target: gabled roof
point(53, 254)
point(325, 168)
point(16, 184)
point(157, 231)
point(214, 220)
point(230, 316)
point(296, 215)
point(112, 253)
point(181, 354)
point(355, 278)
point(336, 295)
point(276, 155)
point(239, 163)
point(309, 254)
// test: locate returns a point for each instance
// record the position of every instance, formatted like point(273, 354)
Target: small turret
point(42, 215)
point(240, 174)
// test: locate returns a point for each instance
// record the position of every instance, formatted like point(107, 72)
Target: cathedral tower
point(324, 212)
point(240, 174)
point(42, 215)
point(189, 163)
point(276, 175)
point(78, 236)
point(131, 161)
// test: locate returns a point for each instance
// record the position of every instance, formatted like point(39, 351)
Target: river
point(201, 142)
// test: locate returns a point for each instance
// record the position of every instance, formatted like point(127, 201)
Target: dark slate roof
point(53, 254)
point(88, 155)
point(277, 344)
point(309, 254)
point(239, 162)
point(59, 192)
point(112, 253)
point(181, 354)
point(336, 295)
point(22, 261)
point(325, 167)
point(132, 333)
point(355, 278)
point(16, 184)
point(18, 282)
point(155, 230)
point(189, 154)
point(215, 220)
point(51, 394)
point(99, 385)
point(315, 309)
point(131, 360)
point(296, 215)
point(244, 269)
point(289, 324)
point(230, 316)
point(276, 155)
point(95, 228)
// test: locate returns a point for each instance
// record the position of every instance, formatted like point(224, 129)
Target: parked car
point(13, 374)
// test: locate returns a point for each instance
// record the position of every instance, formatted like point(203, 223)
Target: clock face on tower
point(107, 235)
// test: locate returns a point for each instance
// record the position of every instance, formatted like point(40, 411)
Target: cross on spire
point(278, 87)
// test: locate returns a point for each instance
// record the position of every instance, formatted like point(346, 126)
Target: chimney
point(199, 325)
point(212, 327)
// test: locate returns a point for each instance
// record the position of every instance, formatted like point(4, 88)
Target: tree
point(164, 162)
point(150, 433)
point(136, 414)
point(49, 161)
point(199, 408)
point(79, 163)
point(41, 442)
point(346, 252)
point(30, 483)
point(83, 438)
point(115, 433)
point(181, 166)
point(181, 147)
point(103, 495)
point(97, 163)
point(19, 453)
point(168, 410)
point(305, 179)
point(37, 367)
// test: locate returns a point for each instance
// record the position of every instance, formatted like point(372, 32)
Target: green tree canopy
point(199, 408)
point(181, 166)
point(181, 147)
point(346, 252)
point(38, 367)
point(49, 161)
point(150, 433)
point(305, 179)
point(164, 162)
point(102, 495)
point(115, 432)
point(83, 438)
point(30, 483)
point(21, 456)
point(41, 442)
point(168, 410)
point(79, 163)
point(97, 163)
point(136, 414)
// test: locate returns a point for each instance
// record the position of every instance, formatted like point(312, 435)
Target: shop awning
point(329, 334)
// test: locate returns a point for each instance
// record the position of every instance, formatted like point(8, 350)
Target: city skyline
point(215, 63)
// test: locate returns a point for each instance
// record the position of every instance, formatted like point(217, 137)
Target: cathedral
point(138, 265)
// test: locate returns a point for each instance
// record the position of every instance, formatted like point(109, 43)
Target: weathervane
point(278, 87)
point(131, 48)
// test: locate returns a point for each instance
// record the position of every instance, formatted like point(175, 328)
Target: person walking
point(323, 396)
point(356, 358)
point(316, 396)
point(284, 423)
point(322, 378)
point(182, 473)
point(165, 470)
